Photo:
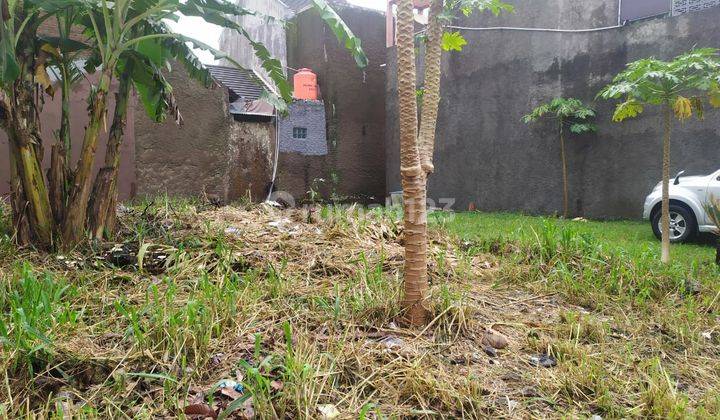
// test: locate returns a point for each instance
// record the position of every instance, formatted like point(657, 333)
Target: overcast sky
point(210, 34)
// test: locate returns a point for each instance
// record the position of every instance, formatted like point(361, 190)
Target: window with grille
point(299, 132)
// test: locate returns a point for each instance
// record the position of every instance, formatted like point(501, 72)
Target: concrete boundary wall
point(485, 155)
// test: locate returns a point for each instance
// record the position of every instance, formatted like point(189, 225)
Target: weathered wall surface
point(487, 156)
point(354, 107)
point(50, 122)
point(209, 154)
point(270, 34)
point(252, 146)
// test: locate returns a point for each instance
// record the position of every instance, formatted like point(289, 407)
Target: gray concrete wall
point(210, 154)
point(558, 14)
point(485, 155)
point(270, 34)
point(354, 106)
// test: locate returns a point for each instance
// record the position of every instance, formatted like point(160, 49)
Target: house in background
point(227, 148)
point(224, 149)
point(350, 104)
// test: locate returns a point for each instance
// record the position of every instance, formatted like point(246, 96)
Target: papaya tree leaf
point(453, 41)
point(628, 109)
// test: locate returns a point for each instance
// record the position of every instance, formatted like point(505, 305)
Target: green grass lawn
point(624, 236)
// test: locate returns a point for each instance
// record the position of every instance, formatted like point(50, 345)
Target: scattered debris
point(328, 411)
point(277, 385)
point(232, 231)
point(494, 339)
point(231, 389)
point(200, 411)
point(392, 342)
point(692, 287)
point(543, 360)
point(490, 351)
point(121, 255)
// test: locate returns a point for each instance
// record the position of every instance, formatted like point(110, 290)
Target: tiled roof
point(243, 83)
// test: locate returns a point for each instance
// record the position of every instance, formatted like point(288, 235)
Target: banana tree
point(126, 41)
point(679, 87)
point(568, 113)
point(18, 62)
point(417, 145)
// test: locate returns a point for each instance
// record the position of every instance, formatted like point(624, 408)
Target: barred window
point(299, 132)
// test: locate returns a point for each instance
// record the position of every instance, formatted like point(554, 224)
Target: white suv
point(688, 197)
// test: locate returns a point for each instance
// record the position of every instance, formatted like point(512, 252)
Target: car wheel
point(682, 224)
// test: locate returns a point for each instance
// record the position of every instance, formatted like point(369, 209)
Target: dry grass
point(302, 315)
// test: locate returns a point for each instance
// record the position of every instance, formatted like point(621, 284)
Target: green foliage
point(453, 41)
point(31, 308)
point(628, 109)
point(133, 30)
point(568, 111)
point(467, 7)
point(683, 83)
point(9, 67)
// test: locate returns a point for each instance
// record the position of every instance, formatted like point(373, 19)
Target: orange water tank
point(305, 83)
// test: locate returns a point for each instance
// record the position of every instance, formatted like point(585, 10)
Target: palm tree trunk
point(413, 177)
point(665, 216)
point(564, 170)
point(431, 97)
point(103, 201)
point(74, 224)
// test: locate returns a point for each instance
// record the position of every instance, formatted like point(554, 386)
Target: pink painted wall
point(50, 120)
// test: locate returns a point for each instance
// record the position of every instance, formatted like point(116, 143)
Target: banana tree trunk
point(17, 199)
point(74, 225)
point(564, 171)
point(665, 216)
point(413, 176)
point(103, 201)
point(59, 174)
point(26, 151)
